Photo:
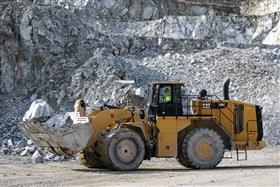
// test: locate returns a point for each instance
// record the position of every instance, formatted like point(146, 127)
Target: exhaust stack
point(226, 89)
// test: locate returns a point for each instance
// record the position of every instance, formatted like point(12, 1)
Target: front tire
point(202, 148)
point(123, 150)
point(90, 160)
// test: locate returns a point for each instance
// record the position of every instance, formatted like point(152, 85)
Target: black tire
point(183, 161)
point(202, 148)
point(90, 160)
point(180, 158)
point(124, 150)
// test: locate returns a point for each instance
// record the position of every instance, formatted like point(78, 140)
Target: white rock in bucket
point(38, 109)
point(56, 121)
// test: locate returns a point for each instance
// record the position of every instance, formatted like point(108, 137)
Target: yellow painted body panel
point(102, 119)
point(167, 137)
point(168, 131)
point(169, 127)
point(109, 118)
point(224, 117)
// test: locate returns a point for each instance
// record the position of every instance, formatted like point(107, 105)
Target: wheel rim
point(204, 148)
point(126, 150)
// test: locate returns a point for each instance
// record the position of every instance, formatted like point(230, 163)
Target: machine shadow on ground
point(163, 170)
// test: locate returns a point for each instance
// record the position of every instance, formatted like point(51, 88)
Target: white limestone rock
point(39, 109)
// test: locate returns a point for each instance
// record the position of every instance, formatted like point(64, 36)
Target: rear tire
point(202, 148)
point(123, 150)
point(181, 159)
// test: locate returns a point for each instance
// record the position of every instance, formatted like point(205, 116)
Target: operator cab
point(165, 99)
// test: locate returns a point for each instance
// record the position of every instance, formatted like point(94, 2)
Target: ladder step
point(243, 151)
point(228, 156)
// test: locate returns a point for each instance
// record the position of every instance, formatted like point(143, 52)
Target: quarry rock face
point(60, 51)
point(259, 7)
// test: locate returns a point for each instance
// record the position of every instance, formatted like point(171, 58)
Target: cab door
point(167, 112)
point(171, 106)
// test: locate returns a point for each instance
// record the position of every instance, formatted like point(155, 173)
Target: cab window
point(165, 95)
point(177, 94)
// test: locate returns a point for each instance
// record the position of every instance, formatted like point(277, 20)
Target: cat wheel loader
point(195, 129)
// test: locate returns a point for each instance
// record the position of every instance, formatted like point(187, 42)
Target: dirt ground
point(261, 169)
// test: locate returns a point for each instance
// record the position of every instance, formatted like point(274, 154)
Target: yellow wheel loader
point(195, 129)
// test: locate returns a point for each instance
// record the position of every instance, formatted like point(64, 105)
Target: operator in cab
point(167, 95)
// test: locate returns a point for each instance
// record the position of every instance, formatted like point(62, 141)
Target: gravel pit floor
point(261, 169)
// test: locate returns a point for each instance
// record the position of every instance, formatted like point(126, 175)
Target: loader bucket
point(60, 134)
point(67, 142)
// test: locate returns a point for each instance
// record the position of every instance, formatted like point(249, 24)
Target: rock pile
point(60, 51)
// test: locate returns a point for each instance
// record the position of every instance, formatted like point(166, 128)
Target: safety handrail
point(208, 97)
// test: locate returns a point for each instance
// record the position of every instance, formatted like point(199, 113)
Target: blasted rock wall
point(139, 10)
point(260, 7)
point(35, 37)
